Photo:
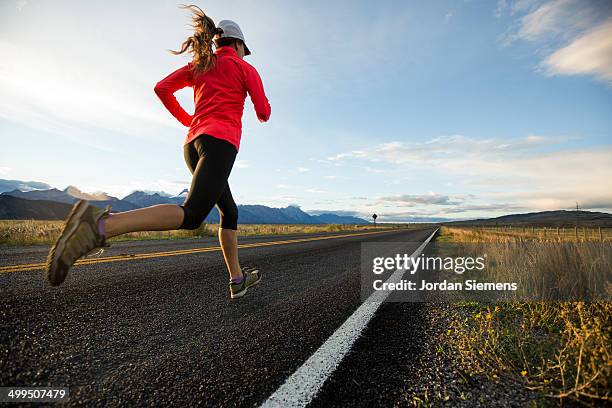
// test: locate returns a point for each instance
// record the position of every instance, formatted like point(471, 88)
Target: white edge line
point(302, 386)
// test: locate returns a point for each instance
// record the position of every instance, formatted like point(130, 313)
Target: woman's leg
point(240, 280)
point(228, 232)
point(229, 244)
point(161, 217)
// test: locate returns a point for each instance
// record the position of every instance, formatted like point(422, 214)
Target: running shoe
point(79, 237)
point(250, 277)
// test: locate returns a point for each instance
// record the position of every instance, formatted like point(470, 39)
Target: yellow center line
point(41, 265)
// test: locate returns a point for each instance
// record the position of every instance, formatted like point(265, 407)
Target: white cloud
point(375, 170)
point(303, 169)
point(448, 16)
point(315, 191)
point(532, 172)
point(501, 7)
point(561, 199)
point(523, 6)
point(352, 154)
point(20, 4)
point(554, 18)
point(4, 170)
point(590, 54)
point(441, 151)
point(411, 200)
point(572, 36)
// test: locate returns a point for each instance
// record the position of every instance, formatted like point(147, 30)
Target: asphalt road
point(151, 323)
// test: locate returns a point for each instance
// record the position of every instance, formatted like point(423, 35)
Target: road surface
point(151, 323)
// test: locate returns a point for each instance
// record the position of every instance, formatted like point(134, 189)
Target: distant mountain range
point(13, 208)
point(559, 218)
point(32, 200)
point(70, 195)
point(8, 185)
point(35, 200)
point(144, 199)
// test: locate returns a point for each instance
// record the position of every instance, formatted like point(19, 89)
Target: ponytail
point(200, 44)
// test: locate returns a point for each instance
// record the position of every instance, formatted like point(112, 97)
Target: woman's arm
point(256, 92)
point(166, 88)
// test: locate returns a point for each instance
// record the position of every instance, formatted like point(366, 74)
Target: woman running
point(221, 81)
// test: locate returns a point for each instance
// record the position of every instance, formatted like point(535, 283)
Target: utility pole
point(577, 215)
point(576, 227)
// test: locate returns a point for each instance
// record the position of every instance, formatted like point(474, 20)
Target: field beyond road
point(37, 232)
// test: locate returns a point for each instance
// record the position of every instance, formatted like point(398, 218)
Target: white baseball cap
point(232, 30)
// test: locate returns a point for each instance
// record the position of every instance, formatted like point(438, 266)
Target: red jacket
point(219, 95)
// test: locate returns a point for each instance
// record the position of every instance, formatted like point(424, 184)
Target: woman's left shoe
point(79, 237)
point(250, 277)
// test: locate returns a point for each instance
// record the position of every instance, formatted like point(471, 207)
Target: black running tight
point(210, 160)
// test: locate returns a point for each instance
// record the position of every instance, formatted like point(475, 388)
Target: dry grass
point(561, 349)
point(514, 234)
point(32, 232)
point(544, 268)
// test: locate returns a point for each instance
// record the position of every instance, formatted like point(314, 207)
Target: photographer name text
point(468, 285)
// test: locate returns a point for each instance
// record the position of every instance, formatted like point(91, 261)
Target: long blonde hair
point(200, 44)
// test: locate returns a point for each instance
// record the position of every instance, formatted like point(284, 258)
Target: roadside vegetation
point(560, 349)
point(527, 234)
point(34, 232)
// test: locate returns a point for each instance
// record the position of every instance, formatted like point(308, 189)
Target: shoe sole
point(53, 274)
point(243, 292)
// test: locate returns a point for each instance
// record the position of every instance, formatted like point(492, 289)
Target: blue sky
point(450, 109)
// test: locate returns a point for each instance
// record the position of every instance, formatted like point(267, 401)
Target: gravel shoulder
point(401, 360)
